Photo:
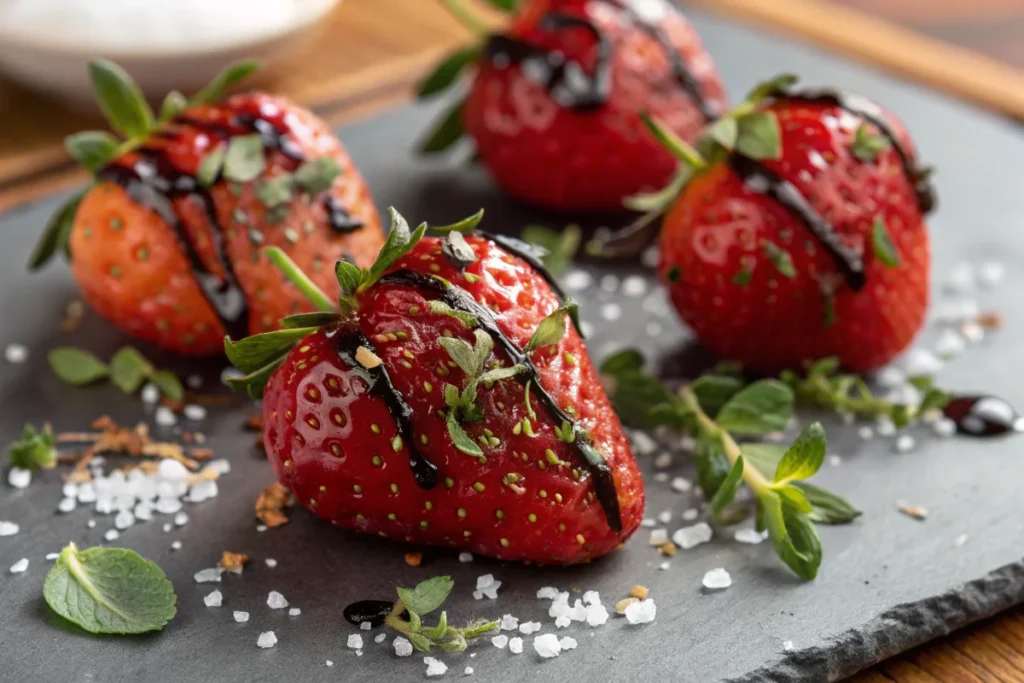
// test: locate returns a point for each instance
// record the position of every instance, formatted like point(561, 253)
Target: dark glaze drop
point(373, 611)
point(983, 416)
point(528, 253)
point(338, 216)
point(769, 183)
point(460, 300)
point(152, 181)
point(423, 471)
point(871, 112)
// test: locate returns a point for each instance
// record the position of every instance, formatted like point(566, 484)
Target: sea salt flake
point(634, 286)
point(150, 394)
point(86, 493)
point(124, 520)
point(499, 641)
point(509, 623)
point(270, 562)
point(176, 545)
point(240, 617)
point(52, 556)
point(664, 566)
point(919, 362)
point(658, 537)
point(465, 558)
point(960, 540)
point(690, 514)
point(681, 484)
point(567, 643)
point(112, 535)
point(266, 639)
point(211, 575)
point(214, 599)
point(165, 417)
point(591, 598)
point(648, 523)
point(750, 536)
point(717, 579)
point(972, 331)
point(194, 412)
point(365, 626)
point(905, 443)
point(66, 504)
point(692, 536)
point(294, 612)
point(15, 354)
point(403, 648)
point(220, 466)
point(19, 566)
point(355, 641)
point(202, 490)
point(960, 278)
point(663, 461)
point(329, 663)
point(577, 280)
point(261, 528)
point(468, 671)
point(611, 311)
point(172, 471)
point(665, 516)
point(277, 601)
point(515, 645)
point(865, 432)
point(641, 612)
point(180, 519)
point(562, 622)
point(547, 645)
point(168, 506)
point(19, 477)
point(991, 273)
point(435, 667)
point(597, 614)
point(885, 426)
point(643, 443)
point(944, 427)
point(787, 646)
point(949, 344)
point(529, 627)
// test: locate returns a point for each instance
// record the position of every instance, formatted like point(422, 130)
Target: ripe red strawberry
point(553, 105)
point(802, 234)
point(447, 405)
point(166, 243)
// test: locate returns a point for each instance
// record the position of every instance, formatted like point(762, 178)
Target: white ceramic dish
point(163, 44)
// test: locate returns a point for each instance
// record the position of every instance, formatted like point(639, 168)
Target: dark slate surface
point(888, 582)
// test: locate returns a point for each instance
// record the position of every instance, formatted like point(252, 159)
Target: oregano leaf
point(427, 596)
point(867, 145)
point(460, 439)
point(560, 245)
point(76, 366)
point(882, 245)
point(552, 328)
point(168, 384)
point(804, 456)
point(317, 175)
point(762, 407)
point(35, 449)
point(276, 191)
point(244, 160)
point(211, 165)
point(174, 103)
point(128, 369)
point(252, 353)
point(727, 490)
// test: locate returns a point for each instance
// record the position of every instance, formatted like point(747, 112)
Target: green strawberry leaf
point(552, 328)
point(231, 75)
point(211, 166)
point(446, 132)
point(881, 243)
point(174, 103)
point(317, 175)
point(57, 232)
point(253, 353)
point(759, 136)
point(460, 439)
point(244, 159)
point(76, 366)
point(725, 131)
point(91, 148)
point(128, 369)
point(109, 590)
point(762, 407)
point(868, 145)
point(35, 449)
point(438, 307)
point(660, 200)
point(777, 85)
point(317, 319)
point(678, 147)
point(255, 382)
point(447, 72)
point(427, 596)
point(400, 242)
point(467, 224)
point(120, 99)
point(560, 246)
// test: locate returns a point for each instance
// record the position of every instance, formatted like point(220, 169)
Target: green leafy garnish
point(56, 233)
point(552, 328)
point(420, 601)
point(173, 104)
point(780, 258)
point(447, 72)
point(231, 75)
point(881, 243)
point(127, 370)
point(868, 145)
point(35, 449)
point(446, 132)
point(120, 99)
point(714, 410)
point(243, 160)
point(91, 148)
point(559, 246)
point(317, 175)
point(211, 166)
point(109, 590)
point(758, 136)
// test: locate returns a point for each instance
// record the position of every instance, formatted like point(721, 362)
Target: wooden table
point(385, 46)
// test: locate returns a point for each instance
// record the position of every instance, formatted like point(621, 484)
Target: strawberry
point(166, 242)
point(446, 404)
point(553, 105)
point(798, 232)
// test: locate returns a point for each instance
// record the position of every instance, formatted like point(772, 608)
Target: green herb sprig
point(718, 410)
point(109, 590)
point(559, 246)
point(426, 597)
point(35, 449)
point(127, 370)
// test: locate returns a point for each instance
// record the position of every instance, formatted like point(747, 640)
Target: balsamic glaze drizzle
point(338, 216)
point(460, 300)
point(423, 471)
point(871, 112)
point(528, 253)
point(983, 416)
point(373, 611)
point(763, 180)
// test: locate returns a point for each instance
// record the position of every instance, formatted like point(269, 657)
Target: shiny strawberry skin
point(331, 442)
point(130, 265)
point(567, 160)
point(717, 229)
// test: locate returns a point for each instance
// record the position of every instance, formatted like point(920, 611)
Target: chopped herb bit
point(559, 247)
point(35, 449)
point(881, 243)
point(127, 370)
point(868, 145)
point(317, 175)
point(780, 258)
point(420, 601)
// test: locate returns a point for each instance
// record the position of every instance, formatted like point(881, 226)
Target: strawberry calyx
point(413, 604)
point(129, 115)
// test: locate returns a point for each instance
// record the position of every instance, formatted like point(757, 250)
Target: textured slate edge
point(898, 630)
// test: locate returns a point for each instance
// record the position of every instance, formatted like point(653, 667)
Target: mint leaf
point(446, 133)
point(780, 258)
point(762, 407)
point(714, 391)
point(792, 535)
point(560, 246)
point(758, 136)
point(727, 490)
point(317, 175)
point(252, 353)
point(827, 507)
point(276, 191)
point(400, 241)
point(109, 590)
point(244, 160)
point(881, 243)
point(211, 165)
point(57, 231)
point(552, 328)
point(128, 368)
point(91, 148)
point(232, 74)
point(426, 596)
point(447, 72)
point(868, 145)
point(168, 384)
point(803, 458)
point(76, 366)
point(120, 99)
point(34, 450)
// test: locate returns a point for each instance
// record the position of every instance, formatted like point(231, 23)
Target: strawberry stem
point(676, 146)
point(465, 16)
point(295, 275)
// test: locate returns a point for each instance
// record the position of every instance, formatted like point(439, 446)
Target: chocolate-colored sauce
point(423, 471)
point(763, 180)
point(871, 112)
point(983, 416)
point(338, 216)
point(152, 181)
point(460, 300)
point(373, 611)
point(528, 253)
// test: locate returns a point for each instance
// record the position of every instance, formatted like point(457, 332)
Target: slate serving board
point(887, 582)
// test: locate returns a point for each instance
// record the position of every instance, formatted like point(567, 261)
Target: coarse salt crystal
point(865, 432)
point(591, 598)
point(165, 417)
point(365, 626)
point(905, 443)
point(194, 381)
point(529, 627)
point(597, 614)
point(330, 663)
point(52, 556)
point(960, 278)
point(659, 537)
point(16, 354)
point(641, 611)
point(241, 617)
point(944, 427)
point(960, 540)
point(202, 490)
point(567, 643)
point(124, 520)
point(547, 645)
point(949, 344)
point(717, 579)
point(211, 575)
point(143, 511)
point(663, 461)
point(499, 641)
point(611, 311)
point(991, 273)
point(648, 523)
point(435, 667)
point(355, 641)
point(171, 470)
point(681, 484)
point(180, 519)
point(194, 412)
point(664, 566)
point(750, 536)
point(261, 528)
point(465, 558)
point(468, 671)
point(576, 280)
point(403, 648)
point(150, 393)
point(294, 612)
point(270, 562)
point(634, 286)
point(787, 646)
point(972, 332)
point(643, 443)
point(19, 566)
point(176, 545)
point(381, 637)
point(562, 622)
point(919, 362)
point(690, 514)
point(91, 524)
point(835, 460)
point(266, 639)
point(66, 504)
point(220, 466)
point(214, 599)
point(19, 477)
point(692, 536)
point(112, 535)
point(665, 516)
point(885, 426)
point(515, 645)
point(86, 493)
point(509, 623)
point(277, 601)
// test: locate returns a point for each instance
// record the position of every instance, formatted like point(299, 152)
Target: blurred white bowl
point(163, 44)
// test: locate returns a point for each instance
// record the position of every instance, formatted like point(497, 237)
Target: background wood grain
point(373, 51)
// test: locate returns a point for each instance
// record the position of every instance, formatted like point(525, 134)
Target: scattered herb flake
point(881, 243)
point(868, 145)
point(780, 258)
